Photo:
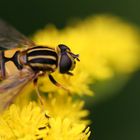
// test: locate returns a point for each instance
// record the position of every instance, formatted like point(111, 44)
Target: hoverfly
point(31, 61)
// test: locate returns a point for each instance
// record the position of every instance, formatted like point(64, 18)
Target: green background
point(118, 117)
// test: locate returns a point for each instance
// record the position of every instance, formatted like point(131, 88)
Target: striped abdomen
point(42, 58)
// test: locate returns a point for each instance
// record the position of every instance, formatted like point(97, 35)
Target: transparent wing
point(12, 86)
point(11, 38)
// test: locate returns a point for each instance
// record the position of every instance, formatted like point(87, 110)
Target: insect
point(31, 61)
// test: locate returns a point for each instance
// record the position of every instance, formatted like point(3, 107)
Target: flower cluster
point(62, 118)
point(106, 44)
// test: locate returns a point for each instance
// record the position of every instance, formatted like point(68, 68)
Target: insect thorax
point(42, 58)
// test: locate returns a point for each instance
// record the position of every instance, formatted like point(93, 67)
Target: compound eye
point(65, 64)
point(63, 48)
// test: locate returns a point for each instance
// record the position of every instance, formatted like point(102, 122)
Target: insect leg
point(37, 91)
point(57, 84)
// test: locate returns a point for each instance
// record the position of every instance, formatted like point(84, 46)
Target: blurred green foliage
point(118, 117)
point(31, 15)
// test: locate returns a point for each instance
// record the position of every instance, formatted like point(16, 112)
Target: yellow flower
point(63, 106)
point(107, 46)
point(21, 124)
point(63, 129)
point(62, 118)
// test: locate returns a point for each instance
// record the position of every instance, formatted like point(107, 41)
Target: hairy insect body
point(38, 58)
point(8, 63)
point(42, 59)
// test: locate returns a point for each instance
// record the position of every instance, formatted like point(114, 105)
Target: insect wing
point(12, 86)
point(11, 38)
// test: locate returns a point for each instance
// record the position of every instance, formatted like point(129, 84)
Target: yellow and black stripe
point(4, 59)
point(42, 58)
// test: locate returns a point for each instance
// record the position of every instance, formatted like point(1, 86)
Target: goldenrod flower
point(17, 123)
point(59, 120)
point(63, 129)
point(63, 106)
point(107, 46)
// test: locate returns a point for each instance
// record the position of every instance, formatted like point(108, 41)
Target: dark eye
point(65, 64)
point(63, 48)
